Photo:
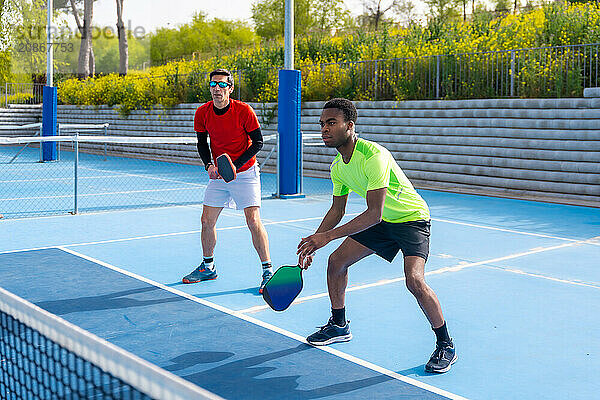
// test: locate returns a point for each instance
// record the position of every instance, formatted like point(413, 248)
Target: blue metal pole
point(290, 136)
point(49, 152)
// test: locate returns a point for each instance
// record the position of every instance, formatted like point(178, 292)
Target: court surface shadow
point(110, 301)
point(241, 378)
point(250, 290)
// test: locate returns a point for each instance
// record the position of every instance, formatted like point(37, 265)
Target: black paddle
point(226, 168)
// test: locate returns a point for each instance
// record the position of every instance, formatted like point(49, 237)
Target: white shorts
point(242, 192)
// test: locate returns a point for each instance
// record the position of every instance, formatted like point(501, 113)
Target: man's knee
point(207, 222)
point(253, 219)
point(416, 285)
point(209, 217)
point(336, 263)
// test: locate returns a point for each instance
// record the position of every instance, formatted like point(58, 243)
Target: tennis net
point(102, 172)
point(45, 357)
point(94, 173)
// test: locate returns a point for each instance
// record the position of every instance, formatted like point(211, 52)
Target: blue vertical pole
point(49, 149)
point(290, 136)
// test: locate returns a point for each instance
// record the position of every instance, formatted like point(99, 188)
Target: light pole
point(49, 106)
point(288, 60)
point(49, 44)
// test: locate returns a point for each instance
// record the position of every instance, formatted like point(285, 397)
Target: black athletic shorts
point(386, 238)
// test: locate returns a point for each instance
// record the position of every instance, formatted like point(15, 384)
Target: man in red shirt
point(233, 129)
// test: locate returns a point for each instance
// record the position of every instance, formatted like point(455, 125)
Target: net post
point(49, 122)
point(289, 151)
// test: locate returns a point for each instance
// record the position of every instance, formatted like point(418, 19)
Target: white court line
point(265, 222)
point(118, 174)
point(155, 236)
point(550, 278)
point(273, 328)
point(97, 194)
point(144, 176)
point(502, 229)
point(456, 268)
point(69, 178)
point(66, 214)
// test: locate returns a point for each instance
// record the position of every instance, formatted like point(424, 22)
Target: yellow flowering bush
point(20, 98)
point(321, 81)
point(395, 63)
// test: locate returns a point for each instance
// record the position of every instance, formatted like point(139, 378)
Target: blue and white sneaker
point(442, 358)
point(265, 278)
point(330, 333)
point(200, 274)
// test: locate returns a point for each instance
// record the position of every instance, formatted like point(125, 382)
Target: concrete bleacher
point(545, 149)
point(22, 114)
point(542, 149)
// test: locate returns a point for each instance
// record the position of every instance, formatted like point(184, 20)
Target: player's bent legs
point(444, 354)
point(414, 270)
point(260, 239)
point(209, 230)
point(348, 253)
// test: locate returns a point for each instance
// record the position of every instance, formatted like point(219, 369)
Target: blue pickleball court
point(518, 282)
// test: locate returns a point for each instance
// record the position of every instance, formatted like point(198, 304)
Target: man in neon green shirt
point(397, 218)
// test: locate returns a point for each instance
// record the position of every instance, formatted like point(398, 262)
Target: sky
point(153, 14)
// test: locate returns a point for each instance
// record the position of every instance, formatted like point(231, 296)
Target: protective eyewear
point(221, 84)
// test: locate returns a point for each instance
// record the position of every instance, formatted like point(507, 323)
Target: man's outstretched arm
point(371, 216)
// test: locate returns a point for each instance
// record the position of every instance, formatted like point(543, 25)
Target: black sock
point(339, 316)
point(442, 334)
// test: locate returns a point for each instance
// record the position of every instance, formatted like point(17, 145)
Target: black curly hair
point(345, 106)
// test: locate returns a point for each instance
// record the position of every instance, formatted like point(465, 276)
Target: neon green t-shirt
point(373, 167)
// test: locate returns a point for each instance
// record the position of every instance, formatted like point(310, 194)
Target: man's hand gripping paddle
point(286, 283)
point(283, 287)
point(226, 168)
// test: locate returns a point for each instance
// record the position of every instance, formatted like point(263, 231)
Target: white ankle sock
point(209, 264)
point(266, 265)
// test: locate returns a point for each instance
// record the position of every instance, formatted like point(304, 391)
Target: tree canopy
point(309, 16)
point(201, 36)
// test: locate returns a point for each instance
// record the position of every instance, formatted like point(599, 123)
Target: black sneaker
point(330, 333)
point(442, 358)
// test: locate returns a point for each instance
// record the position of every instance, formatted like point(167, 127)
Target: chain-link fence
point(93, 173)
point(90, 180)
